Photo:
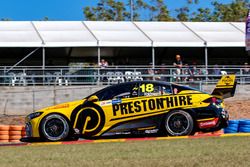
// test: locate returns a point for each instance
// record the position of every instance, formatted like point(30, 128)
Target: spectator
point(194, 71)
point(162, 71)
point(178, 64)
point(103, 63)
point(246, 69)
point(216, 71)
point(150, 72)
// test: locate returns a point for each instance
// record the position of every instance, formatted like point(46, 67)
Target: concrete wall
point(24, 100)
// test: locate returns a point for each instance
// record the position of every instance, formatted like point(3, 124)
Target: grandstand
point(68, 52)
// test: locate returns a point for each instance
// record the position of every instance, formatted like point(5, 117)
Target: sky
point(69, 10)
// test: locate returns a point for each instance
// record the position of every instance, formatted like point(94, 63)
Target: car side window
point(117, 92)
point(154, 89)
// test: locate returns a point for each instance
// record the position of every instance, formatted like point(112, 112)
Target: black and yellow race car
point(135, 107)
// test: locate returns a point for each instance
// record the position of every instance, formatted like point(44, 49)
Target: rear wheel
point(54, 127)
point(178, 123)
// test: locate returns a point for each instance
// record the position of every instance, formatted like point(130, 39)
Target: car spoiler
point(225, 87)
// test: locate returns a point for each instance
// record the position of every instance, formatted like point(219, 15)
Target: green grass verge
point(205, 152)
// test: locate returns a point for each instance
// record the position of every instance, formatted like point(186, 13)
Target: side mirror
point(93, 98)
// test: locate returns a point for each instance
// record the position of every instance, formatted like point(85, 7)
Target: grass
point(205, 152)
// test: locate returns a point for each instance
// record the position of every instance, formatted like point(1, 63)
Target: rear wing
point(225, 87)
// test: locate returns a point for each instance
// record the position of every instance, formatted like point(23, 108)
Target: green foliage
point(46, 18)
point(157, 10)
point(161, 10)
point(183, 14)
point(117, 10)
point(235, 11)
point(202, 14)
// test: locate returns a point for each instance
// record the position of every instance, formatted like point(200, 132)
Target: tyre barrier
point(235, 126)
point(244, 126)
point(11, 133)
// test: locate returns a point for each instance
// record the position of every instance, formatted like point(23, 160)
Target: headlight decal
point(34, 115)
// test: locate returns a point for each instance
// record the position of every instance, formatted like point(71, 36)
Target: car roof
point(132, 82)
point(144, 81)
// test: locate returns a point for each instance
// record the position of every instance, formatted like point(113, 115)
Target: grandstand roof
point(121, 34)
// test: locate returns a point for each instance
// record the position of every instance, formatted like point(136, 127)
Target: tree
point(235, 11)
point(203, 14)
point(89, 13)
point(161, 10)
point(193, 1)
point(182, 14)
point(157, 10)
point(118, 11)
point(46, 18)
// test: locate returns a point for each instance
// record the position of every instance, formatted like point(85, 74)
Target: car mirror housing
point(93, 98)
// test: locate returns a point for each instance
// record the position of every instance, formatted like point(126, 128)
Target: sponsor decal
point(227, 80)
point(208, 124)
point(151, 104)
point(105, 103)
point(116, 101)
point(88, 118)
point(58, 106)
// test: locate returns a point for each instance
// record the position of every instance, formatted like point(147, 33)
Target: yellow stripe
point(45, 143)
point(235, 134)
point(223, 86)
point(207, 119)
point(169, 137)
point(109, 140)
point(147, 128)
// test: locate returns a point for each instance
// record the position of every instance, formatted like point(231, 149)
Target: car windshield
point(114, 91)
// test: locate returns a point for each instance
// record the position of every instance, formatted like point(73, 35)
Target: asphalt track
point(124, 140)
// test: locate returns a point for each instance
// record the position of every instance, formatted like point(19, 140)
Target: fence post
point(5, 107)
point(201, 85)
point(54, 95)
point(33, 99)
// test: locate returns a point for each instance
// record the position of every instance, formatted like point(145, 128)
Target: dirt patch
point(12, 120)
point(238, 109)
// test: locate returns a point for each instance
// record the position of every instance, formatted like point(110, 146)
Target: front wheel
point(54, 127)
point(178, 123)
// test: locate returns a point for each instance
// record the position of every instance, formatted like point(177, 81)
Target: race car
point(135, 107)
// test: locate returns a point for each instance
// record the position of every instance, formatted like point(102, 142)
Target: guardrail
point(26, 76)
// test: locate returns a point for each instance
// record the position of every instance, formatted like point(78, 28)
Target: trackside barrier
point(238, 126)
point(11, 133)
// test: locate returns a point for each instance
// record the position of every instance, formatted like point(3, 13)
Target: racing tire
point(13, 133)
point(15, 137)
point(54, 127)
point(4, 127)
point(4, 132)
point(179, 123)
point(16, 127)
point(4, 137)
